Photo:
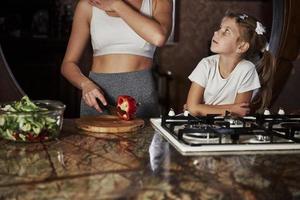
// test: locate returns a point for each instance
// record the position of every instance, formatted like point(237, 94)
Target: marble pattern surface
point(140, 165)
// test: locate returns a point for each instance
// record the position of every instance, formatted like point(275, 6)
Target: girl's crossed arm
point(196, 106)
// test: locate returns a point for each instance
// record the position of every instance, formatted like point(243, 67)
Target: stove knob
point(267, 112)
point(186, 113)
point(171, 113)
point(281, 111)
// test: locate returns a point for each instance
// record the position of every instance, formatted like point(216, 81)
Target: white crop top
point(112, 35)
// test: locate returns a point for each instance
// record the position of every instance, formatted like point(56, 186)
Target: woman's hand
point(106, 5)
point(90, 92)
point(240, 109)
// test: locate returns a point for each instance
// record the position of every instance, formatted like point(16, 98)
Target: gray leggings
point(138, 84)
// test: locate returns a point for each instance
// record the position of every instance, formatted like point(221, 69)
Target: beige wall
point(197, 20)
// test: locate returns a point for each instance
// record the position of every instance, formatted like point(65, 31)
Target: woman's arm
point(79, 38)
point(156, 31)
point(196, 106)
point(77, 42)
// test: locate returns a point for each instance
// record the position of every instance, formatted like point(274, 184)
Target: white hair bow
point(260, 29)
point(243, 16)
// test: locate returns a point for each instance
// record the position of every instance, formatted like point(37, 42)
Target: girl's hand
point(240, 109)
point(105, 5)
point(90, 92)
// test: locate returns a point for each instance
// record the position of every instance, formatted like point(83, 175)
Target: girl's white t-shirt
point(220, 91)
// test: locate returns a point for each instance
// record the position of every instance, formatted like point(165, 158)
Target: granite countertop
point(140, 165)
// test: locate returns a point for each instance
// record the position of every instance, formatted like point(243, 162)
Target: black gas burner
point(199, 126)
point(262, 138)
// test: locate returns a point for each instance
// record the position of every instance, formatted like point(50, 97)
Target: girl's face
point(225, 40)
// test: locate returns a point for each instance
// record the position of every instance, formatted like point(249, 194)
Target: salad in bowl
point(31, 121)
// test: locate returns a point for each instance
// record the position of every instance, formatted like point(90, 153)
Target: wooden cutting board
point(108, 124)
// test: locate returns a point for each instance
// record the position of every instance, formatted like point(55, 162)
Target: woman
point(124, 35)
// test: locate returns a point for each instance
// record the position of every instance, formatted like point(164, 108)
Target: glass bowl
point(28, 125)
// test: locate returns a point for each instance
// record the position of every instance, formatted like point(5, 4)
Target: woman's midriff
point(118, 63)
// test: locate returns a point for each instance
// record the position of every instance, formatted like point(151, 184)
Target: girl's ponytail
point(265, 70)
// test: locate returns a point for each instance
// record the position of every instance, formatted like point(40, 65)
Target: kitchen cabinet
point(37, 64)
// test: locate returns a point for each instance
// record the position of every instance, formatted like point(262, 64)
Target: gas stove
point(217, 134)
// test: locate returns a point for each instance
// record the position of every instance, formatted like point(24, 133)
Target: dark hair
point(258, 54)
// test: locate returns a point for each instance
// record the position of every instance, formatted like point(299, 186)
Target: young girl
point(227, 81)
